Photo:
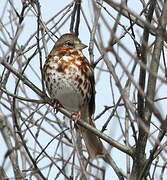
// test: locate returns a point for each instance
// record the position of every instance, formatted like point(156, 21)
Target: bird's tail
point(93, 144)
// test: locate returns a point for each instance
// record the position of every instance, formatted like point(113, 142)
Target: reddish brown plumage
point(69, 79)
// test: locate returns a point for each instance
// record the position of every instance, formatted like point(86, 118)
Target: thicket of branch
point(127, 49)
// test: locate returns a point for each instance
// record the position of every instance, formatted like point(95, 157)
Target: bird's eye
point(69, 43)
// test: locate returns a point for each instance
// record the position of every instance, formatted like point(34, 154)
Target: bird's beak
point(81, 46)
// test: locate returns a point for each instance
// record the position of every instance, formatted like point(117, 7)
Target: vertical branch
point(7, 135)
point(144, 51)
point(152, 80)
point(78, 18)
point(75, 17)
point(156, 59)
point(39, 27)
point(143, 135)
point(145, 114)
point(97, 10)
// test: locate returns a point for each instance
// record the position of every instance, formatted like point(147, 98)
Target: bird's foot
point(56, 105)
point(76, 116)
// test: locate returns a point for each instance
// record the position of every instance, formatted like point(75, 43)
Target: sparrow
point(69, 80)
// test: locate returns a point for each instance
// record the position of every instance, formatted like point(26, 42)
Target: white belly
point(66, 91)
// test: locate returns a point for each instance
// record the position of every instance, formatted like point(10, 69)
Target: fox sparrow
point(69, 80)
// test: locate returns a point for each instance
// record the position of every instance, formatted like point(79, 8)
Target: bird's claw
point(76, 116)
point(56, 105)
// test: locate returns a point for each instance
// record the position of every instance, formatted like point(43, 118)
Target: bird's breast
point(66, 82)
